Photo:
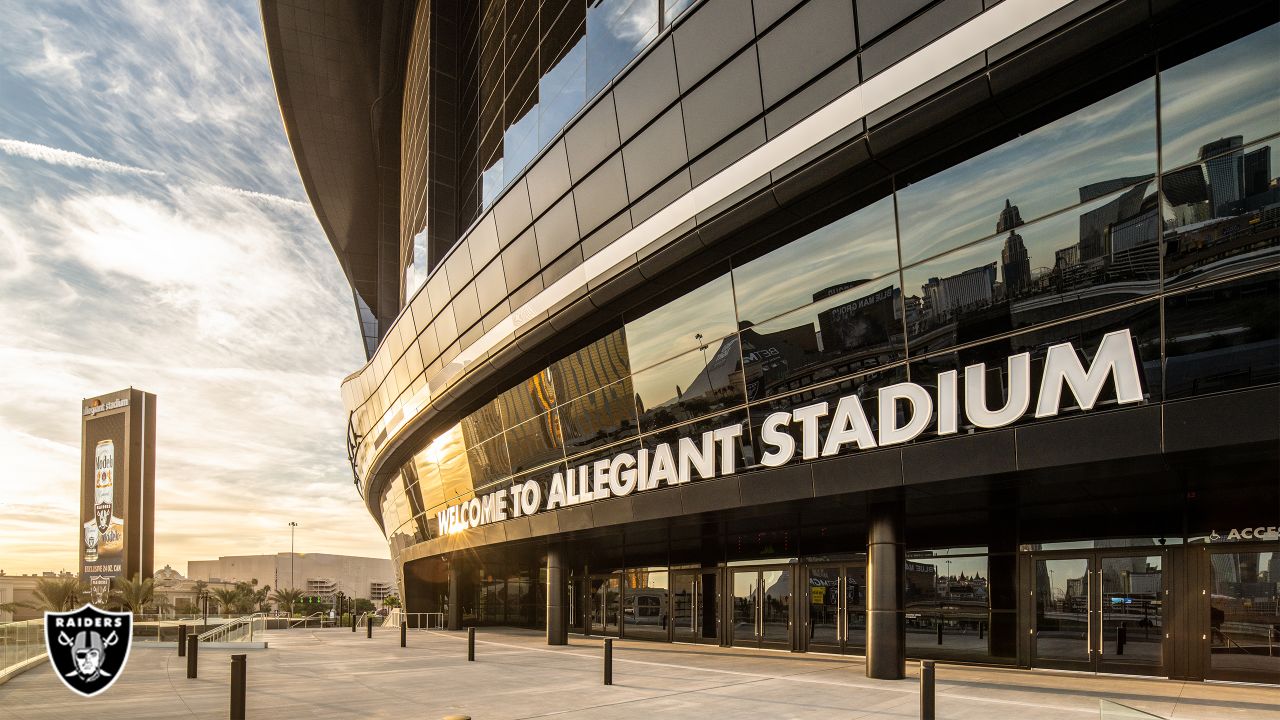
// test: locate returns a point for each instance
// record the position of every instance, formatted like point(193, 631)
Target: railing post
point(926, 690)
point(193, 655)
point(608, 661)
point(471, 644)
point(182, 640)
point(369, 622)
point(404, 634)
point(238, 678)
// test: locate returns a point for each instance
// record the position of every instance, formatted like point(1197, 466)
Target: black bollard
point(982, 626)
point(370, 625)
point(404, 634)
point(353, 622)
point(1122, 634)
point(608, 661)
point(939, 632)
point(926, 690)
point(238, 678)
point(193, 655)
point(182, 641)
point(471, 644)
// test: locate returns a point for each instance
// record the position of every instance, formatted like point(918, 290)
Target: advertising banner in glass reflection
point(902, 412)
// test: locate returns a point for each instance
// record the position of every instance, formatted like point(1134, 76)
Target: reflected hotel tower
point(675, 332)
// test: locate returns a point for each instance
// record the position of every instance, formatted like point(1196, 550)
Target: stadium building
point(918, 329)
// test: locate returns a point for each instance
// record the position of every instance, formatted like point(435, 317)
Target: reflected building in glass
point(954, 334)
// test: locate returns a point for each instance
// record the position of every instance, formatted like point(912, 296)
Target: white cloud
point(157, 270)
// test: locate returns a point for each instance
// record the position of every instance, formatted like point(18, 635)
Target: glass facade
point(1155, 209)
point(540, 62)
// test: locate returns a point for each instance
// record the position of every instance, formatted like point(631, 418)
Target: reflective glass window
point(415, 269)
point(617, 30)
point(599, 418)
point(1217, 102)
point(488, 461)
point(671, 9)
point(428, 473)
point(562, 87)
point(1223, 337)
point(952, 582)
point(451, 458)
point(1222, 215)
point(1091, 256)
point(527, 400)
point(601, 363)
point(859, 247)
point(849, 331)
point(697, 383)
point(536, 442)
point(681, 324)
point(482, 424)
point(646, 603)
point(1087, 154)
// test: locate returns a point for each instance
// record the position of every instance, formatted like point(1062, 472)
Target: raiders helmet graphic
point(88, 647)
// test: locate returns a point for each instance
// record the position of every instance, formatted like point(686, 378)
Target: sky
point(154, 233)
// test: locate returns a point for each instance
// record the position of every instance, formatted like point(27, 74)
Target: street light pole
point(293, 582)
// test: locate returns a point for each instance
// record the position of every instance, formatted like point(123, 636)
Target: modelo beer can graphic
point(104, 471)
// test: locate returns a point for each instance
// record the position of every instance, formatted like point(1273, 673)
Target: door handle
point(1088, 610)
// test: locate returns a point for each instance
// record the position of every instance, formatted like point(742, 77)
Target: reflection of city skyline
point(1117, 246)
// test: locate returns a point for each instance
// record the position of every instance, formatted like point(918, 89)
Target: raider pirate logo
point(88, 647)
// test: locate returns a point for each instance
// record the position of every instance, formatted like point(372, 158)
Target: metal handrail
point(317, 615)
point(241, 629)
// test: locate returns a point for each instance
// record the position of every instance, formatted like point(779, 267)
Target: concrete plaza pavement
point(318, 674)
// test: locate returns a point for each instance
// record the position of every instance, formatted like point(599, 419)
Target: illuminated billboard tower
point(117, 484)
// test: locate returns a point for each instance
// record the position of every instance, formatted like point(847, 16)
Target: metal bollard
point(1122, 635)
point(238, 678)
point(369, 622)
point(926, 690)
point(471, 644)
point(182, 641)
point(939, 632)
point(404, 634)
point(193, 655)
point(353, 622)
point(608, 661)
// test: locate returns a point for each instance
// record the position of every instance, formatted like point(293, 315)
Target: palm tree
point(134, 595)
point(287, 596)
point(57, 594)
point(228, 599)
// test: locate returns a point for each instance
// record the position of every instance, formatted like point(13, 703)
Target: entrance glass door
point(1244, 614)
point(1100, 612)
point(762, 608)
point(605, 600)
point(837, 618)
point(695, 616)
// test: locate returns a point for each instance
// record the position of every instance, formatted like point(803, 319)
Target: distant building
point(973, 287)
point(21, 589)
point(1223, 161)
point(314, 573)
point(1015, 264)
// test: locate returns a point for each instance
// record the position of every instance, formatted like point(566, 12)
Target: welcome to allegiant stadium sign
point(713, 453)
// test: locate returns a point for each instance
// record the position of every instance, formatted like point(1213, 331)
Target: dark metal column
point(886, 630)
point(453, 619)
point(557, 602)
